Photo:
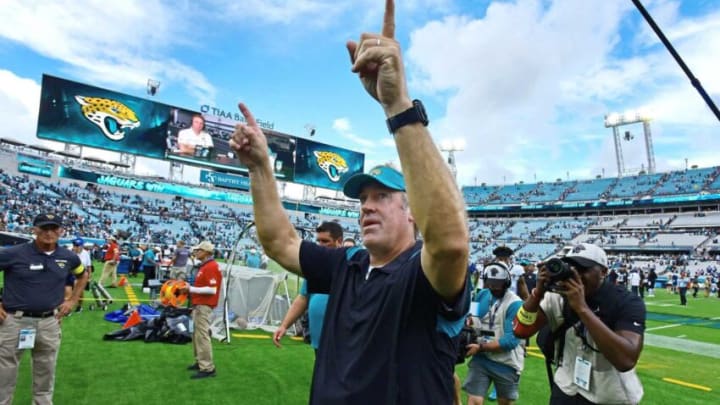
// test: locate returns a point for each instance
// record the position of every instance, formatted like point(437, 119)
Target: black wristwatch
point(414, 114)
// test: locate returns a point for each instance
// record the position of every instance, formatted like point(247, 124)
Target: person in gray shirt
point(178, 265)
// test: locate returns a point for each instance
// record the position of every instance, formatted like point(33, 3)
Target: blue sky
point(523, 84)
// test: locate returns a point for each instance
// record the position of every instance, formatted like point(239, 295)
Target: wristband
point(526, 317)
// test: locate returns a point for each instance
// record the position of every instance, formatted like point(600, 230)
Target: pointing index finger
point(249, 118)
point(388, 30)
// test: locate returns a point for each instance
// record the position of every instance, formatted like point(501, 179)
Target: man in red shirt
point(204, 297)
point(112, 258)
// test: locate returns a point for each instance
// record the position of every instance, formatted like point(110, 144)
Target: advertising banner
point(225, 180)
point(325, 166)
point(153, 186)
point(33, 165)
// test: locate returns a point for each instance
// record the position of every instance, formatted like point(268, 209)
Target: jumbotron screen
point(321, 165)
point(77, 113)
point(204, 140)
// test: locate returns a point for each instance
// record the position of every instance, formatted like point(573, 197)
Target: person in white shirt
point(194, 136)
point(634, 279)
point(78, 245)
point(504, 254)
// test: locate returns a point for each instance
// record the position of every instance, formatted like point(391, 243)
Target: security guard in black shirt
point(33, 305)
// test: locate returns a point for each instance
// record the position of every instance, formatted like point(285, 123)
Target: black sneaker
point(193, 367)
point(203, 374)
point(78, 309)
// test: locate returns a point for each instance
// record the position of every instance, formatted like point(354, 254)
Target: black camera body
point(558, 271)
point(468, 335)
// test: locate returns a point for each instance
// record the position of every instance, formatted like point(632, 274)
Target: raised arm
point(441, 219)
point(530, 318)
point(277, 235)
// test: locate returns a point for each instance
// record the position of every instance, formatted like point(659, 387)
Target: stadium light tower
point(616, 120)
point(73, 149)
point(452, 146)
point(130, 160)
point(310, 129)
point(153, 86)
point(176, 171)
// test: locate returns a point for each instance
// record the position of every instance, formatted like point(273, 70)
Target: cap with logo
point(496, 272)
point(586, 255)
point(205, 245)
point(384, 175)
point(78, 242)
point(47, 219)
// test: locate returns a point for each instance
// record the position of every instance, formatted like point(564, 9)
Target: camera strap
point(559, 336)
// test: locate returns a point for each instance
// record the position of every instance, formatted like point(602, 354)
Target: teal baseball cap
point(384, 175)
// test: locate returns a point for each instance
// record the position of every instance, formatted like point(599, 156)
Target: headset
point(502, 267)
point(198, 116)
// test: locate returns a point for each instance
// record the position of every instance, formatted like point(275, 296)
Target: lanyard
point(493, 311)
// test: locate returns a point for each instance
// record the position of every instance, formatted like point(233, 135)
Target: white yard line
point(683, 345)
point(665, 326)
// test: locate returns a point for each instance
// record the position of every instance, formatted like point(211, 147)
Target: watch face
point(410, 116)
point(420, 108)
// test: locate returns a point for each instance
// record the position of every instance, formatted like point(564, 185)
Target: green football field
point(252, 371)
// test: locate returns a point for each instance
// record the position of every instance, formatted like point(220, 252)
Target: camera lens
point(555, 266)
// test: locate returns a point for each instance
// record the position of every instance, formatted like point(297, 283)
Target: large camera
point(468, 335)
point(558, 271)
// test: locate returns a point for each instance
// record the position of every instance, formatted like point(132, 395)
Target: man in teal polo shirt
point(328, 234)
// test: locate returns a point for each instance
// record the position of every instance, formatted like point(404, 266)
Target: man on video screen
point(194, 140)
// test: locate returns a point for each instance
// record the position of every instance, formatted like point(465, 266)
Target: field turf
point(252, 371)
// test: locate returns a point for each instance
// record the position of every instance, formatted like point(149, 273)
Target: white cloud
point(19, 103)
point(341, 125)
point(528, 84)
point(314, 13)
point(115, 43)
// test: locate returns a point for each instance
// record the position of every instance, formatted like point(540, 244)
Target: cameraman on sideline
point(497, 354)
point(603, 323)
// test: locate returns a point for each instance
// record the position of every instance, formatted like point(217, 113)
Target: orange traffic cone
point(123, 281)
point(133, 320)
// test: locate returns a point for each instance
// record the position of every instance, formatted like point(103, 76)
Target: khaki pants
point(178, 273)
point(202, 344)
point(109, 270)
point(44, 357)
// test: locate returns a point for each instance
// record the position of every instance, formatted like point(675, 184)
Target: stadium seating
point(590, 190)
point(97, 211)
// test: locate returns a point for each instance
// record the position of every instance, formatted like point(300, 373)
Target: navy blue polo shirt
point(618, 308)
point(34, 280)
point(389, 339)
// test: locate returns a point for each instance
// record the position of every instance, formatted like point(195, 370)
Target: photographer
point(597, 329)
point(497, 353)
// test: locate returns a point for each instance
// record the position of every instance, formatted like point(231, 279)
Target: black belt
point(45, 314)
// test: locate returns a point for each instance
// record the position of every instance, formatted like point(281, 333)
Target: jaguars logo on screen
point(113, 118)
point(332, 164)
